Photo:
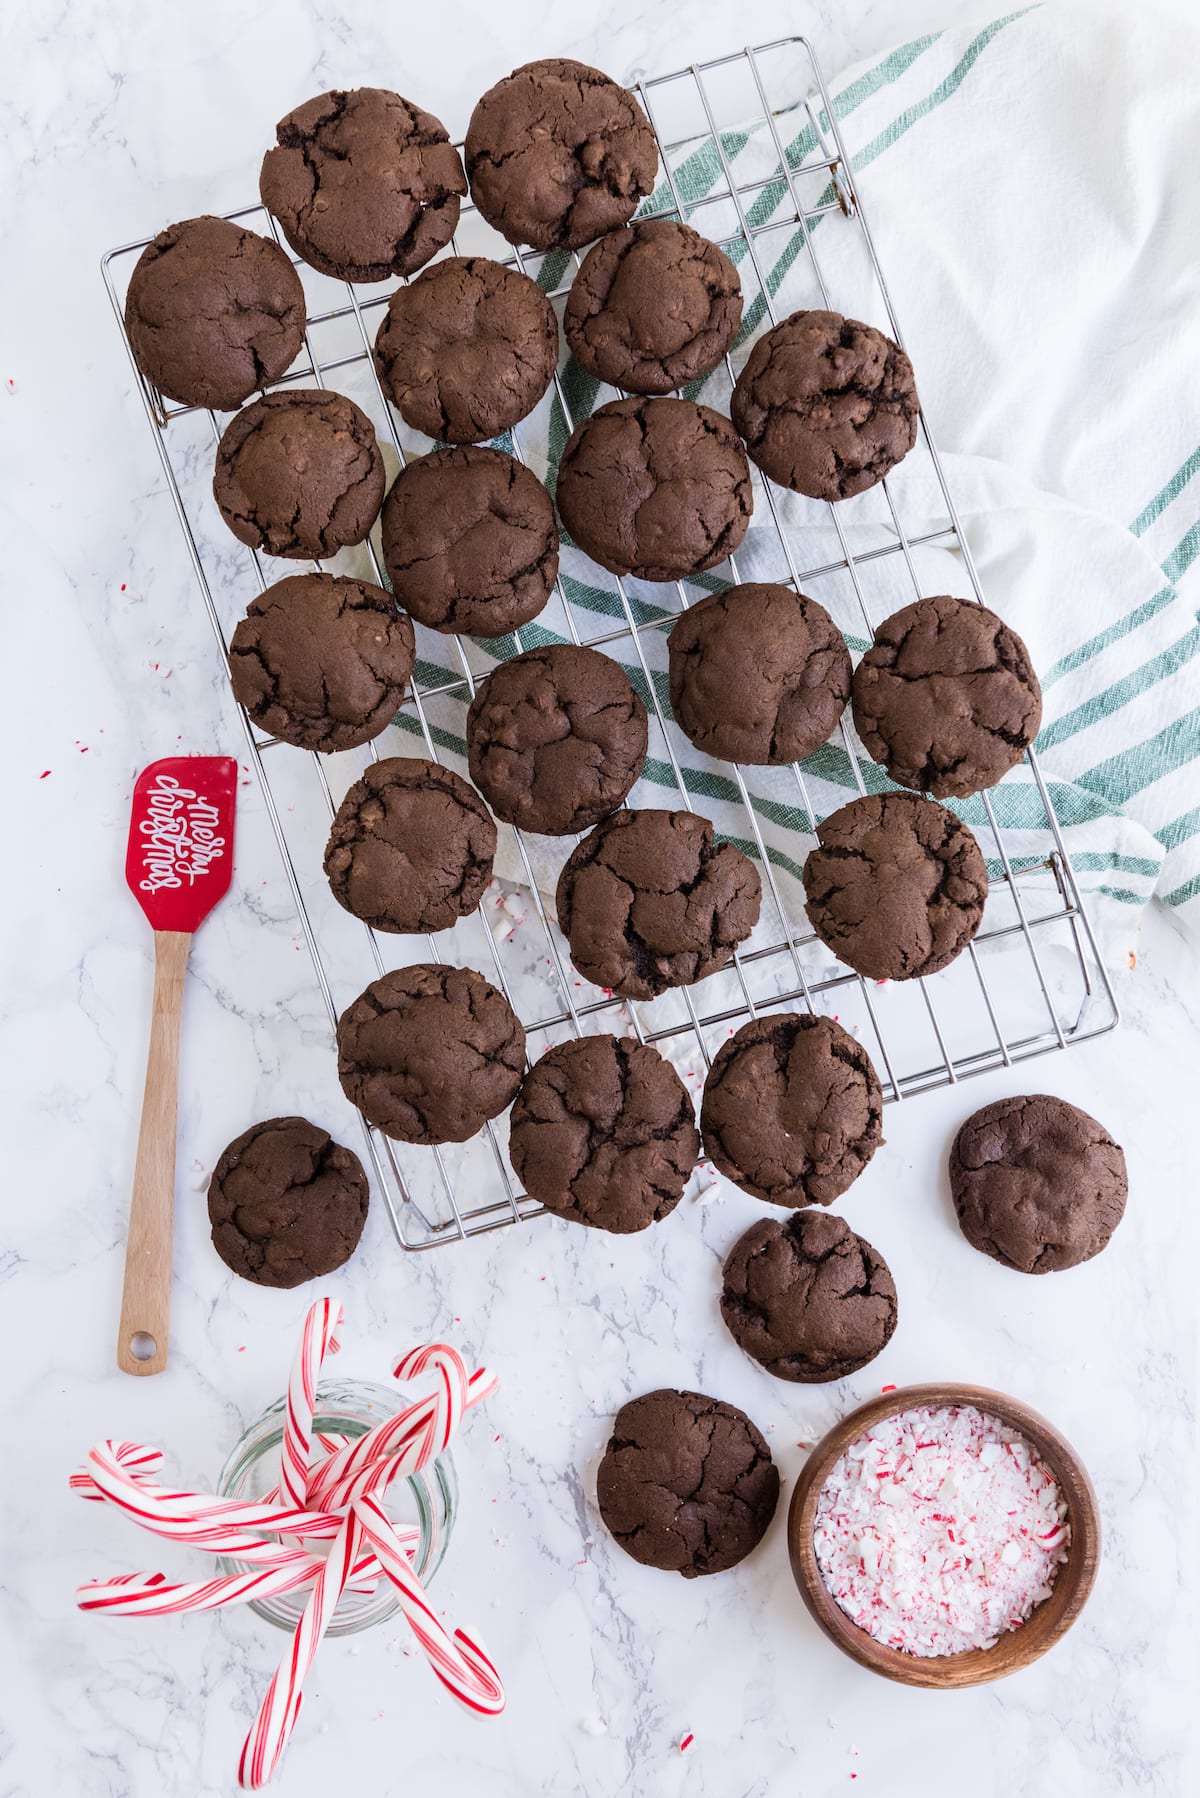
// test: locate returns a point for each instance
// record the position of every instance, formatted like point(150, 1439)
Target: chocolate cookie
point(946, 697)
point(299, 474)
point(655, 488)
point(792, 1109)
point(896, 887)
point(558, 153)
point(212, 312)
point(807, 1298)
point(429, 1053)
point(411, 847)
point(364, 184)
point(286, 1203)
point(648, 900)
point(653, 306)
point(469, 541)
point(687, 1483)
point(759, 674)
point(556, 738)
point(604, 1133)
point(467, 349)
point(322, 660)
point(1037, 1183)
point(827, 405)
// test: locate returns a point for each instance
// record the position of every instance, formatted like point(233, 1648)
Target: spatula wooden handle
point(146, 1300)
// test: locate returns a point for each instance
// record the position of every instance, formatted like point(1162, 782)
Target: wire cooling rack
point(1032, 980)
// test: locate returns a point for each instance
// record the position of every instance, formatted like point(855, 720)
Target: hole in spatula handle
point(142, 1346)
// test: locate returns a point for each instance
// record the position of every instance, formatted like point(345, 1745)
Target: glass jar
point(427, 1500)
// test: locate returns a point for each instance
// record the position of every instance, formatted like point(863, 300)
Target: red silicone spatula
point(178, 865)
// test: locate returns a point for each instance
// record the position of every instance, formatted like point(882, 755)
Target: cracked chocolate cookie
point(653, 306)
point(322, 661)
point(648, 900)
point(808, 1299)
point(896, 886)
point(286, 1203)
point(792, 1109)
point(411, 847)
point(469, 541)
point(430, 1052)
point(299, 474)
point(212, 312)
point(827, 405)
point(687, 1483)
point(759, 674)
point(604, 1133)
point(364, 184)
point(558, 153)
point(1037, 1183)
point(656, 488)
point(467, 349)
point(946, 697)
point(556, 737)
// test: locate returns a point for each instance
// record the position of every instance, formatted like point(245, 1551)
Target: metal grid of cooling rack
point(906, 1029)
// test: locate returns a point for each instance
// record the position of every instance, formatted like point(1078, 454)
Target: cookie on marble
point(322, 661)
point(1037, 1184)
point(299, 474)
point(649, 900)
point(657, 488)
point(687, 1483)
point(286, 1203)
point(792, 1109)
point(364, 184)
point(807, 1298)
point(556, 738)
point(429, 1053)
point(469, 541)
point(213, 312)
point(896, 885)
point(557, 153)
point(604, 1133)
point(411, 847)
point(467, 349)
point(827, 405)
point(653, 306)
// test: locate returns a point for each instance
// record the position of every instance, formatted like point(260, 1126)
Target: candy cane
point(459, 1663)
point(134, 1457)
point(153, 1595)
point(418, 1432)
point(194, 1516)
point(316, 1340)
point(268, 1736)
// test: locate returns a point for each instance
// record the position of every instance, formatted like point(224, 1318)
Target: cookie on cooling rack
point(792, 1109)
point(896, 885)
point(657, 488)
point(946, 697)
point(557, 153)
point(650, 900)
point(759, 674)
point(556, 738)
point(299, 474)
point(827, 405)
point(653, 306)
point(469, 541)
point(429, 1053)
point(364, 184)
point(213, 312)
point(322, 661)
point(467, 349)
point(286, 1203)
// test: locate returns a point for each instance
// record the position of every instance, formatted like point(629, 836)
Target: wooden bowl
point(1017, 1647)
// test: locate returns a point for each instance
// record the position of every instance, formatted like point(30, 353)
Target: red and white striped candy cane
point(195, 1517)
point(135, 1457)
point(419, 1432)
point(276, 1719)
point(317, 1339)
point(459, 1663)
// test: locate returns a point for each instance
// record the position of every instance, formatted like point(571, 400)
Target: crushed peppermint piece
point(939, 1529)
point(685, 1741)
point(593, 1726)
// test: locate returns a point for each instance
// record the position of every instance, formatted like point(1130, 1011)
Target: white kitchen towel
point(1028, 183)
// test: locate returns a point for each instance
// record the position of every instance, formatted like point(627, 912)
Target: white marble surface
point(116, 118)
